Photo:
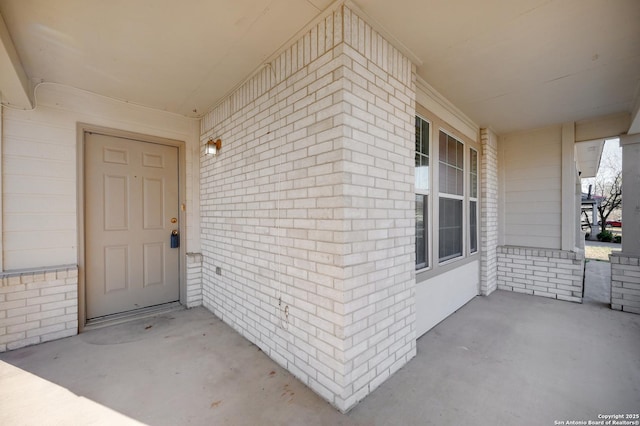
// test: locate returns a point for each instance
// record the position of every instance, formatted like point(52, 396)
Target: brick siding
point(488, 212)
point(194, 280)
point(625, 282)
point(37, 306)
point(556, 274)
point(308, 209)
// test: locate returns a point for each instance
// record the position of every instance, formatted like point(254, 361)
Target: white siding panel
point(18, 203)
point(24, 147)
point(528, 219)
point(516, 208)
point(41, 221)
point(38, 167)
point(526, 229)
point(551, 198)
point(544, 176)
point(531, 176)
point(24, 241)
point(38, 185)
point(27, 245)
point(57, 256)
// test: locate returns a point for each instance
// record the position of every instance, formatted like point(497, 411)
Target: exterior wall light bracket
point(212, 147)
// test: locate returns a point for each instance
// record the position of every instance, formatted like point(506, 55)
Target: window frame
point(476, 200)
point(437, 122)
point(428, 264)
point(463, 198)
point(462, 254)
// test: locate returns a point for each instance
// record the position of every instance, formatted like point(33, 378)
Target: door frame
point(81, 129)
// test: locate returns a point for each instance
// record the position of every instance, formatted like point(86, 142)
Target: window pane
point(451, 165)
point(451, 180)
point(474, 161)
point(451, 151)
point(474, 186)
point(422, 155)
point(443, 147)
point(422, 249)
point(442, 172)
point(473, 171)
point(418, 135)
point(422, 172)
point(473, 226)
point(425, 137)
point(459, 154)
point(450, 230)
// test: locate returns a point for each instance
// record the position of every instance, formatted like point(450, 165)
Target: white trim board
point(432, 100)
point(442, 295)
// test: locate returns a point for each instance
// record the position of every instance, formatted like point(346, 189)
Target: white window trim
point(453, 197)
point(427, 193)
point(476, 199)
point(428, 242)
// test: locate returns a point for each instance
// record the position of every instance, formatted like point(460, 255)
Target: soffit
point(588, 156)
point(518, 64)
point(506, 64)
point(179, 56)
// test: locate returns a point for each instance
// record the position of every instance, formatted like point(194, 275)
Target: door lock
point(175, 239)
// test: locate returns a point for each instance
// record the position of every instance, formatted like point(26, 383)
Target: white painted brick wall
point(194, 280)
point(488, 212)
point(379, 285)
point(308, 209)
point(556, 274)
point(625, 282)
point(37, 306)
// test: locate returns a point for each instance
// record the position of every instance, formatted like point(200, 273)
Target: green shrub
point(617, 239)
point(605, 236)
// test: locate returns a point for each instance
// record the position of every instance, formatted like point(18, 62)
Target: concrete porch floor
point(506, 359)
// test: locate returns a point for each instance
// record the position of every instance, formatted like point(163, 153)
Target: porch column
point(489, 212)
point(631, 196)
point(595, 229)
point(569, 216)
point(625, 266)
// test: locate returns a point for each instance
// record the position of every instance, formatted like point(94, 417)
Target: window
point(473, 200)
point(447, 211)
point(422, 249)
point(422, 193)
point(451, 197)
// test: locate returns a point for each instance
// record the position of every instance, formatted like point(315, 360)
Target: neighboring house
point(589, 215)
point(351, 206)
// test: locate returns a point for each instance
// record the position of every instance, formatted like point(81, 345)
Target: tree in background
point(607, 185)
point(609, 191)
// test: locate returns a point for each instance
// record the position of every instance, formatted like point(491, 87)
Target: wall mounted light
point(212, 147)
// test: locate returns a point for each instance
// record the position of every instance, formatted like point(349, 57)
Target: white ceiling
point(508, 64)
point(179, 56)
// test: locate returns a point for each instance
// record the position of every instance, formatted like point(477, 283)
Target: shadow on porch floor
point(500, 360)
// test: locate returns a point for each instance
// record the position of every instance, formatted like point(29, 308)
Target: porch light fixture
point(212, 147)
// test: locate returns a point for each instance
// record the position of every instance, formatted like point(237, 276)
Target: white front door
point(131, 208)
